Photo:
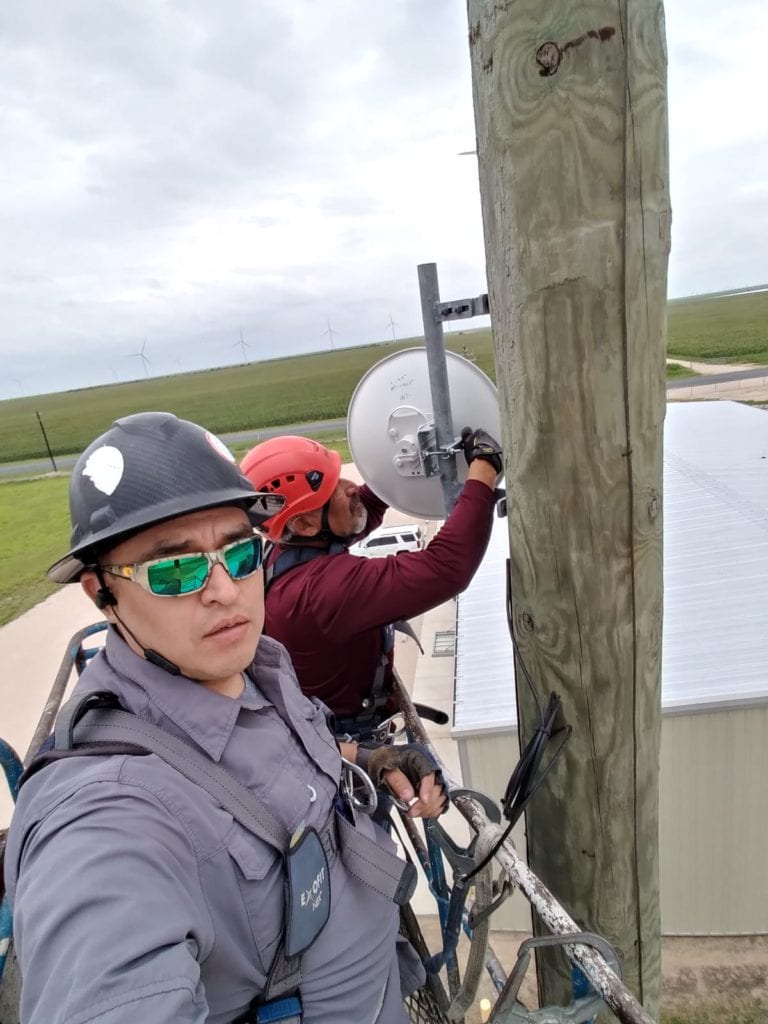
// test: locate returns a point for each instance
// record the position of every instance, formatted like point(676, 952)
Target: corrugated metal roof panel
point(715, 648)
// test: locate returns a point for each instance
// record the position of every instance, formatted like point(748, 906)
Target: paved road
point(705, 379)
point(68, 461)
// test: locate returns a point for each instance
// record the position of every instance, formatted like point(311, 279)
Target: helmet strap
point(326, 533)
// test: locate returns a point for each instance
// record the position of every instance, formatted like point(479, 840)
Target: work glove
point(412, 759)
point(477, 444)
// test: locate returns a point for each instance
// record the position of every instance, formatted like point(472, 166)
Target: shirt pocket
point(319, 718)
point(260, 874)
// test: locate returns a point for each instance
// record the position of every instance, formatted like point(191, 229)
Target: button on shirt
point(136, 897)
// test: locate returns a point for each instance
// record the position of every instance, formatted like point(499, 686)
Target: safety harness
point(96, 724)
point(358, 726)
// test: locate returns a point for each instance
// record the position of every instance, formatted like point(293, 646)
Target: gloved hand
point(477, 444)
point(410, 773)
point(411, 759)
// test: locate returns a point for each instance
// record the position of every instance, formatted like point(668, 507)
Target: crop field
point(721, 328)
point(296, 390)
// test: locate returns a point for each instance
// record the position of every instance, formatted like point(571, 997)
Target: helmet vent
point(314, 478)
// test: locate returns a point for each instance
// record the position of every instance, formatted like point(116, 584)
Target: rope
point(473, 972)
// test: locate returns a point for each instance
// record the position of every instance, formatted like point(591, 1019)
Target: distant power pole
point(571, 122)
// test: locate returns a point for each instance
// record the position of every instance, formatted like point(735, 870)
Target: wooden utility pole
point(570, 106)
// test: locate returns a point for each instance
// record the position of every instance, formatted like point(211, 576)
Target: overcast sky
point(175, 171)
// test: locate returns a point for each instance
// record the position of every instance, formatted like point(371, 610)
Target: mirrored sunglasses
point(265, 505)
point(186, 574)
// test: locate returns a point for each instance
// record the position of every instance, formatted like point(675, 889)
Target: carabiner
point(358, 788)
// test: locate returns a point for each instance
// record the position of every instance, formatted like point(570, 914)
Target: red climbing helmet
point(304, 472)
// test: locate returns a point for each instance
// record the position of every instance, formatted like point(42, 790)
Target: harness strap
point(284, 975)
point(293, 555)
point(375, 866)
point(103, 726)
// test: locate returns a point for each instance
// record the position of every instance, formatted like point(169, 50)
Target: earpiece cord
point(105, 598)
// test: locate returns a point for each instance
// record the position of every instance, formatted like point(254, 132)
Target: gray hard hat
point(145, 469)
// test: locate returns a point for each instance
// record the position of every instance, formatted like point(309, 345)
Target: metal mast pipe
point(438, 380)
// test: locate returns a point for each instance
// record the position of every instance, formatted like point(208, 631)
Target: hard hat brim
point(259, 506)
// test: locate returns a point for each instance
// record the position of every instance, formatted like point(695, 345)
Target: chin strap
point(326, 533)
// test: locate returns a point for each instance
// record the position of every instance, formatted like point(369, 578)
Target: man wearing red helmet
point(333, 613)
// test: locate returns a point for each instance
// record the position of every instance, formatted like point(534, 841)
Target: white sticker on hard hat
point(219, 447)
point(105, 468)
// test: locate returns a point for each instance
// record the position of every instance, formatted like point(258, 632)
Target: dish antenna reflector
point(391, 430)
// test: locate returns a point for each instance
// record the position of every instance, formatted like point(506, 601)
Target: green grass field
point(724, 328)
point(675, 370)
point(34, 524)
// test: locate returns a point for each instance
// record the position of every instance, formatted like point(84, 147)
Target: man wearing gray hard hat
point(180, 850)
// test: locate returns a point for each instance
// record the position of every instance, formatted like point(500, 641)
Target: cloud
point(181, 171)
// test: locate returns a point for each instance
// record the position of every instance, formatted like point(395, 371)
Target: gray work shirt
point(137, 898)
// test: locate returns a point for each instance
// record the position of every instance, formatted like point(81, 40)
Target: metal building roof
point(715, 642)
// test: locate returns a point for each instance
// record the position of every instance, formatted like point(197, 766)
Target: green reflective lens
point(243, 558)
point(181, 575)
point(172, 577)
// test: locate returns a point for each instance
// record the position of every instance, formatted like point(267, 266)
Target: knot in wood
point(653, 507)
point(527, 620)
point(548, 57)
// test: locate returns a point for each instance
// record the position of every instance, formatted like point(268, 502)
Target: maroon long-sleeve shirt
point(329, 612)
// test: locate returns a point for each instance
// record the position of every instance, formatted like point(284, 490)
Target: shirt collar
point(208, 718)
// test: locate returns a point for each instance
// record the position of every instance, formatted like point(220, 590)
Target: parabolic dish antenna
point(390, 425)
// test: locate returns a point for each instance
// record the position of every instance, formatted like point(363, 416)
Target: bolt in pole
point(45, 438)
point(438, 380)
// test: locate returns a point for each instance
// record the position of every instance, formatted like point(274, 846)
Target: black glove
point(411, 759)
point(477, 444)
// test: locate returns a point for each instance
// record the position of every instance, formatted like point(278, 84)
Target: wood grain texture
point(570, 107)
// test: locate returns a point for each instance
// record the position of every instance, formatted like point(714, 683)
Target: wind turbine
point(392, 325)
point(16, 380)
point(330, 332)
point(243, 345)
point(142, 356)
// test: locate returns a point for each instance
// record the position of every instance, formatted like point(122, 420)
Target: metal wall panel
point(714, 823)
point(713, 819)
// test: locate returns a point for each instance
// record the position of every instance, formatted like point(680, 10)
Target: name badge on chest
point(309, 891)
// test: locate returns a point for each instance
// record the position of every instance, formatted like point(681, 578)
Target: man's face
point(210, 634)
point(346, 514)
